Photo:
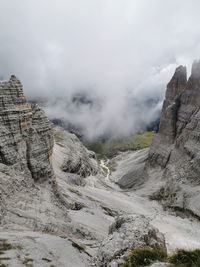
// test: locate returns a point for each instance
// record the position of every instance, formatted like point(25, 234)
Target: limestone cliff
point(26, 136)
point(76, 158)
point(163, 143)
point(176, 148)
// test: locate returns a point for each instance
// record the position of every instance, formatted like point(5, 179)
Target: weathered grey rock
point(163, 143)
point(37, 216)
point(176, 148)
point(26, 147)
point(77, 159)
point(132, 173)
point(127, 233)
point(26, 136)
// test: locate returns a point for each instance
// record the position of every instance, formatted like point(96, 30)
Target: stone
point(77, 159)
point(26, 135)
point(176, 148)
point(162, 144)
point(132, 171)
point(128, 232)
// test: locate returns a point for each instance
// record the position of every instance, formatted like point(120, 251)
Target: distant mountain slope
point(90, 117)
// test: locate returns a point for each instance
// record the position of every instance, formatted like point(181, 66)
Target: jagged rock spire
point(196, 69)
point(176, 147)
point(177, 84)
point(181, 102)
point(175, 88)
point(26, 135)
point(194, 80)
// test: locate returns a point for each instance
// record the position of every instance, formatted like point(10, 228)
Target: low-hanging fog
point(115, 56)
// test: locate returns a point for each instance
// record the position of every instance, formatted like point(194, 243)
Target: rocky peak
point(175, 88)
point(162, 145)
point(196, 69)
point(177, 84)
point(181, 102)
point(26, 136)
point(176, 146)
point(194, 80)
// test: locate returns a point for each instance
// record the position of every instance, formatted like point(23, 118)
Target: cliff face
point(163, 143)
point(176, 148)
point(76, 159)
point(26, 135)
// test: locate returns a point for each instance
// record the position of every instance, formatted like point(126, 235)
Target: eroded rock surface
point(26, 136)
point(77, 159)
point(30, 197)
point(26, 147)
point(71, 220)
point(127, 233)
point(163, 143)
point(176, 148)
point(132, 173)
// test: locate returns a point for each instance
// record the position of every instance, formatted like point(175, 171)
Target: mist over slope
point(120, 53)
point(93, 117)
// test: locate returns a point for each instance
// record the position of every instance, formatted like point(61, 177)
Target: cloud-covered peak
point(114, 50)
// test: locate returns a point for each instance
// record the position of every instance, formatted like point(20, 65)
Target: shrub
point(145, 256)
point(4, 246)
point(108, 148)
point(183, 258)
point(159, 195)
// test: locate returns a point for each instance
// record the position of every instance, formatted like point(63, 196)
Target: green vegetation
point(184, 258)
point(159, 195)
point(140, 257)
point(28, 262)
point(135, 142)
point(4, 246)
point(110, 148)
point(145, 256)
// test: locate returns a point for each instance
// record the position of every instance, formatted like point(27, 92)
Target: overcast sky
point(113, 48)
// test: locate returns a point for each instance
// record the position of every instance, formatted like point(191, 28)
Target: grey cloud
point(115, 50)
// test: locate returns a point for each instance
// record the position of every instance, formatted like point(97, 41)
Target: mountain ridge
point(175, 148)
point(60, 207)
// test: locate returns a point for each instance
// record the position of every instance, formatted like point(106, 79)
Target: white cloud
point(112, 48)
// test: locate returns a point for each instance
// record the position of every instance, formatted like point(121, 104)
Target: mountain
point(176, 148)
point(26, 136)
point(60, 206)
point(53, 192)
point(88, 115)
point(33, 210)
point(171, 168)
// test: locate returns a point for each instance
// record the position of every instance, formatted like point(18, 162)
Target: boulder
point(128, 232)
